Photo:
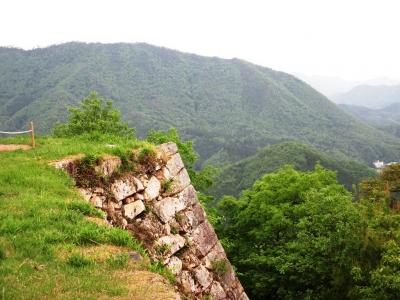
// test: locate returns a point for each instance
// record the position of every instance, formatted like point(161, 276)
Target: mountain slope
point(386, 119)
point(389, 115)
point(231, 107)
point(242, 175)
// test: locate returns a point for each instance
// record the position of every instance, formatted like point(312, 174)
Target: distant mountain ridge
point(332, 86)
point(373, 97)
point(229, 106)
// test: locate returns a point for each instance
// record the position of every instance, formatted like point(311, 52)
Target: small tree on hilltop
point(96, 115)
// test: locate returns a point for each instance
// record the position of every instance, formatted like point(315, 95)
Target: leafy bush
point(96, 117)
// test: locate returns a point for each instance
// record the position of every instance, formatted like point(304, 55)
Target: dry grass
point(147, 285)
point(13, 147)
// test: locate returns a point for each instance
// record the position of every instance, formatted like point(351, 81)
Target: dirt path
point(13, 147)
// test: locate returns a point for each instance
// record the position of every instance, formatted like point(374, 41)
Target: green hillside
point(241, 175)
point(230, 107)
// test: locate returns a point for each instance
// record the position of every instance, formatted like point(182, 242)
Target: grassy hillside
point(242, 175)
point(53, 244)
point(230, 107)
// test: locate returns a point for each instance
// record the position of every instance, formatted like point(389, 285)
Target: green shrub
point(95, 117)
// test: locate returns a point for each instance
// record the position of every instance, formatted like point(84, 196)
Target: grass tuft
point(158, 267)
point(119, 260)
point(220, 266)
point(77, 260)
point(85, 208)
point(2, 254)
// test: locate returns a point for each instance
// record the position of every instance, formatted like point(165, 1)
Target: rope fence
point(31, 131)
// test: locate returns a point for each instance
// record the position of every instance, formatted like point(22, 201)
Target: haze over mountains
point(335, 87)
point(231, 108)
point(373, 97)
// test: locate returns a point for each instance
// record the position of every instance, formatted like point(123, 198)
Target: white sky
point(352, 39)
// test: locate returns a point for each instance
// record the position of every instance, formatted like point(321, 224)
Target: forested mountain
point(389, 115)
point(386, 119)
point(374, 97)
point(241, 175)
point(230, 107)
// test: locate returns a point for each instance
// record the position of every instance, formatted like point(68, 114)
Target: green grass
point(45, 230)
point(49, 148)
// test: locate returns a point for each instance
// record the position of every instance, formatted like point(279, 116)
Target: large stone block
point(133, 209)
point(174, 164)
point(175, 265)
point(148, 229)
point(204, 238)
point(189, 258)
point(123, 188)
point(186, 220)
point(180, 182)
point(139, 185)
point(217, 292)
point(199, 213)
point(152, 190)
point(217, 253)
point(169, 244)
point(68, 164)
point(86, 193)
point(108, 165)
point(97, 200)
point(187, 282)
point(168, 207)
point(203, 277)
point(168, 148)
point(189, 195)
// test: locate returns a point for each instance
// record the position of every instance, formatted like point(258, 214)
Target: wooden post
point(33, 135)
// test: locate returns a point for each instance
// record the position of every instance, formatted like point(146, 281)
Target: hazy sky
point(351, 39)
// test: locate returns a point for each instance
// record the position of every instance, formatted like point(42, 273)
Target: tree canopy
point(96, 115)
point(300, 235)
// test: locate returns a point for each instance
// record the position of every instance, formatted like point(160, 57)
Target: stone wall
point(159, 206)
